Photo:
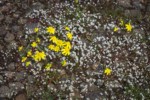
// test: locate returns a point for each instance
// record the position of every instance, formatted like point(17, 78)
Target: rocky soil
point(17, 84)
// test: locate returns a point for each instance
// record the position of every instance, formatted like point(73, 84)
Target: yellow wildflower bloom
point(51, 47)
point(53, 39)
point(67, 45)
point(56, 49)
point(50, 30)
point(34, 44)
point(116, 29)
point(28, 63)
point(39, 56)
point(24, 59)
point(128, 27)
point(65, 51)
point(69, 36)
point(38, 40)
point(121, 22)
point(67, 28)
point(60, 43)
point(36, 30)
point(64, 63)
point(29, 53)
point(20, 48)
point(107, 71)
point(48, 66)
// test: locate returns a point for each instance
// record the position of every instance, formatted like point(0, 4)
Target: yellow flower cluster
point(34, 53)
point(128, 26)
point(38, 56)
point(60, 45)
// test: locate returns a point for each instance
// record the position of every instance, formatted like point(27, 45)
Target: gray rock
point(113, 84)
point(133, 13)
point(22, 21)
point(37, 6)
point(11, 66)
point(31, 79)
point(124, 3)
point(148, 7)
point(9, 37)
point(2, 31)
point(9, 74)
point(12, 45)
point(4, 9)
point(16, 14)
point(19, 34)
point(99, 82)
point(21, 97)
point(137, 4)
point(8, 19)
point(1, 79)
point(93, 96)
point(31, 88)
point(1, 47)
point(16, 87)
point(16, 28)
point(4, 91)
point(20, 76)
point(92, 88)
point(1, 17)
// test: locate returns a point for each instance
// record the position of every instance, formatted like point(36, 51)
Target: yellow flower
point(48, 66)
point(65, 51)
point(60, 43)
point(51, 47)
point(39, 56)
point(20, 48)
point(24, 59)
point(116, 29)
point(128, 27)
point(29, 53)
point(69, 36)
point(50, 30)
point(64, 63)
point(53, 39)
point(34, 44)
point(121, 22)
point(56, 49)
point(67, 45)
point(67, 28)
point(36, 30)
point(28, 63)
point(107, 71)
point(38, 40)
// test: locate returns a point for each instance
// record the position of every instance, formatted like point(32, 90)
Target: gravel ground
point(128, 55)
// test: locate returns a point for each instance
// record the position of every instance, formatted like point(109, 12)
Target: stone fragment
point(124, 3)
point(31, 79)
point(133, 13)
point(21, 97)
point(1, 17)
point(4, 91)
point(20, 76)
point(9, 37)
point(2, 30)
point(11, 66)
point(16, 87)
